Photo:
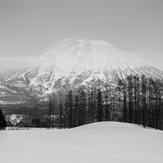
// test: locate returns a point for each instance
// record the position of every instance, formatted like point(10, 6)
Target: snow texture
point(71, 63)
point(104, 142)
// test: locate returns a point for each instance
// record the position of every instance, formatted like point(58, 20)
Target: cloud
point(146, 56)
point(17, 63)
point(149, 57)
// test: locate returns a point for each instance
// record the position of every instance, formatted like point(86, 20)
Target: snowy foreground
point(105, 142)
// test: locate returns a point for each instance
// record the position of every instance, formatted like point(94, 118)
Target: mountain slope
point(71, 63)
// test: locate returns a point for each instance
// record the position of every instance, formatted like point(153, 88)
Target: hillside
point(103, 142)
point(69, 64)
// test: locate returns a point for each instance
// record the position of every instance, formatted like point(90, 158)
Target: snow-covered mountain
point(71, 63)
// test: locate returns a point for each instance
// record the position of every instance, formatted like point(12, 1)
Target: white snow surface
point(104, 142)
point(92, 59)
point(86, 53)
point(71, 63)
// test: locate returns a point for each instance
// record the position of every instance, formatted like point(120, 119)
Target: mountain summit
point(87, 53)
point(68, 64)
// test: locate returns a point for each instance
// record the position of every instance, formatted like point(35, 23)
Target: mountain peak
point(70, 63)
point(74, 52)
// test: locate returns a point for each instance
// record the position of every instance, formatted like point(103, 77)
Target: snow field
point(104, 142)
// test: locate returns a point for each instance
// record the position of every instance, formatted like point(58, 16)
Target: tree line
point(134, 100)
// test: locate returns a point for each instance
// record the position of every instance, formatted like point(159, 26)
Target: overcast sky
point(29, 26)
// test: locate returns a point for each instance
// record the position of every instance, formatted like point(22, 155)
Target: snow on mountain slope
point(102, 142)
point(85, 53)
point(72, 63)
point(72, 57)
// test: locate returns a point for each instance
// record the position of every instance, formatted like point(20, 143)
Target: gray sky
point(29, 26)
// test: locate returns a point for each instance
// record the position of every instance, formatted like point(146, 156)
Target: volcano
point(69, 64)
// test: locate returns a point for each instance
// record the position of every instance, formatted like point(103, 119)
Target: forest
point(135, 100)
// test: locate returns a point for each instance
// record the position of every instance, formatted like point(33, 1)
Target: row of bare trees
point(135, 100)
point(142, 101)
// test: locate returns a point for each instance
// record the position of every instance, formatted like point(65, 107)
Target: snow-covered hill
point(71, 63)
point(102, 142)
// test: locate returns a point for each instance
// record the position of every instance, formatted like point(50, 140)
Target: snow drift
point(102, 142)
